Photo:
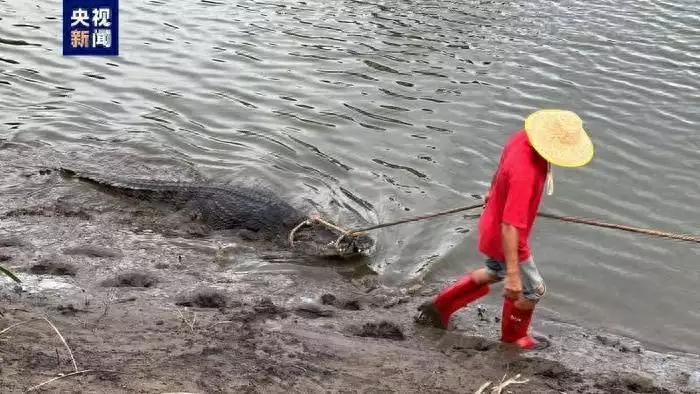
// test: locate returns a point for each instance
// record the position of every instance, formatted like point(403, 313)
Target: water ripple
point(387, 108)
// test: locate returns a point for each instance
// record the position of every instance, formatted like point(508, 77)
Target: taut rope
point(573, 219)
point(430, 216)
point(345, 233)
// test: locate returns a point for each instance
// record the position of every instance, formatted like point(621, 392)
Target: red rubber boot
point(515, 324)
point(465, 290)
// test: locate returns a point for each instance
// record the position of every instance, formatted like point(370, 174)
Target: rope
point(576, 219)
point(344, 233)
point(414, 219)
point(573, 219)
point(309, 222)
point(430, 216)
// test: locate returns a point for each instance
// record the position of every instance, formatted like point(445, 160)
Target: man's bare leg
point(482, 276)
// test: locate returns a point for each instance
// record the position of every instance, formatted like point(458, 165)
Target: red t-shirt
point(515, 195)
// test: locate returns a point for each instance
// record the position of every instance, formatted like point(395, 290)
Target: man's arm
point(515, 216)
point(513, 286)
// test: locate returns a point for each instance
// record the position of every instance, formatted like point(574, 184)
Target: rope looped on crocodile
point(315, 219)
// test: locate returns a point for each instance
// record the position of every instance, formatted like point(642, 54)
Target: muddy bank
point(155, 316)
point(148, 303)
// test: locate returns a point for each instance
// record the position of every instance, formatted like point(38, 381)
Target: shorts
point(533, 285)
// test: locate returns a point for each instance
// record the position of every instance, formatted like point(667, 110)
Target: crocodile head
point(319, 240)
point(356, 244)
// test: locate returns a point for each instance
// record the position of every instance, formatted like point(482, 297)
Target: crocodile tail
point(92, 179)
point(142, 190)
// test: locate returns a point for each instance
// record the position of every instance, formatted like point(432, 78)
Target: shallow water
point(400, 108)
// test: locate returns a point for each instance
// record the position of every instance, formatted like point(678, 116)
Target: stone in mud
point(131, 279)
point(53, 268)
point(92, 251)
point(383, 329)
point(205, 298)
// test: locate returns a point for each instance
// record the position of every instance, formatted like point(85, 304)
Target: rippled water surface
point(400, 108)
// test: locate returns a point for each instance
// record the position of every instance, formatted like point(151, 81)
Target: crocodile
point(256, 213)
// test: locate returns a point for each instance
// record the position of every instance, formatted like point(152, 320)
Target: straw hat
point(558, 136)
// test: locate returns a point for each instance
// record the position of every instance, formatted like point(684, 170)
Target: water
point(400, 108)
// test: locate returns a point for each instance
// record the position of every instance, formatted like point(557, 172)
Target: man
point(549, 137)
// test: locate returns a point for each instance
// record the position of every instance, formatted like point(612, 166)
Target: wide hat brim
point(559, 137)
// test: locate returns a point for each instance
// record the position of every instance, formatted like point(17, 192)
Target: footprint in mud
point(61, 208)
point(468, 343)
point(131, 279)
point(262, 310)
point(617, 344)
point(91, 251)
point(624, 382)
point(347, 304)
point(383, 329)
point(546, 368)
point(10, 242)
point(204, 298)
point(53, 268)
point(312, 310)
point(69, 310)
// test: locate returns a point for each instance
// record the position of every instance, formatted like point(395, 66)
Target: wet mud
point(150, 311)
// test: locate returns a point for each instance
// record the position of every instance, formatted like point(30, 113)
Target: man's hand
point(486, 199)
point(513, 288)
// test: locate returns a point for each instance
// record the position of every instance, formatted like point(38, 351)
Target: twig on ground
point(482, 388)
point(513, 380)
point(70, 352)
point(221, 322)
point(75, 365)
point(191, 323)
point(504, 383)
point(104, 313)
point(124, 300)
point(60, 377)
point(16, 325)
